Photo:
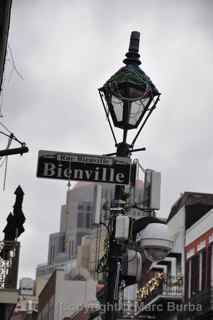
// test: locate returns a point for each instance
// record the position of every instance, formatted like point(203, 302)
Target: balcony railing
point(9, 258)
point(168, 288)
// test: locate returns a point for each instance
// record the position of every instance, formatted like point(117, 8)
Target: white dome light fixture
point(156, 241)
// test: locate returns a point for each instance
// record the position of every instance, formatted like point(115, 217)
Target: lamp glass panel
point(145, 101)
point(118, 108)
point(136, 109)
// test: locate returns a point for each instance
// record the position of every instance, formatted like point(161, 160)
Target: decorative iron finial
point(132, 56)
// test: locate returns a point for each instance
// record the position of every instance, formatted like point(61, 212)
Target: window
point(187, 279)
point(194, 212)
point(194, 275)
point(80, 220)
point(70, 249)
point(52, 254)
point(88, 208)
point(203, 269)
point(88, 220)
point(61, 244)
point(209, 267)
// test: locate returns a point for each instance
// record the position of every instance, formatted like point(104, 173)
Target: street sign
point(84, 167)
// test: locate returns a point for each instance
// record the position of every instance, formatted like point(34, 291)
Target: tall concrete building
point(56, 251)
point(77, 217)
point(77, 221)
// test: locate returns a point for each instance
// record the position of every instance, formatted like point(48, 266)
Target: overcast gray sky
point(65, 50)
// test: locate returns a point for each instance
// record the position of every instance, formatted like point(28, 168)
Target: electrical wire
point(6, 80)
point(5, 173)
point(8, 146)
point(105, 225)
point(5, 134)
point(5, 127)
point(4, 159)
point(14, 63)
point(13, 136)
point(6, 163)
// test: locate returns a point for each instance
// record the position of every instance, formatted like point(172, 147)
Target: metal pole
point(115, 250)
point(8, 152)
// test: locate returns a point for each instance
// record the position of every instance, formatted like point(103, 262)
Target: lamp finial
point(132, 56)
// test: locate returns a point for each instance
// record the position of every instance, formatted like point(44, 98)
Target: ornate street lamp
point(129, 96)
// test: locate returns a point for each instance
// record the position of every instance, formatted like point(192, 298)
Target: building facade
point(27, 302)
point(56, 250)
point(77, 217)
point(199, 267)
point(180, 286)
point(26, 287)
point(9, 259)
point(61, 298)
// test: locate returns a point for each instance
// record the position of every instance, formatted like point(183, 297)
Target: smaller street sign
point(83, 167)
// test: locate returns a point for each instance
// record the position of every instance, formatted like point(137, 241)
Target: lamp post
point(128, 97)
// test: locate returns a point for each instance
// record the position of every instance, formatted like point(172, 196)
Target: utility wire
point(6, 163)
point(14, 63)
point(6, 80)
point(5, 127)
point(14, 137)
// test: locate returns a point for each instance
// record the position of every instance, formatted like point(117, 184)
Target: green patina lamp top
point(132, 74)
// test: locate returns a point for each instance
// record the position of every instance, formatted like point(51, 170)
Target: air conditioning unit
point(122, 227)
point(152, 187)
